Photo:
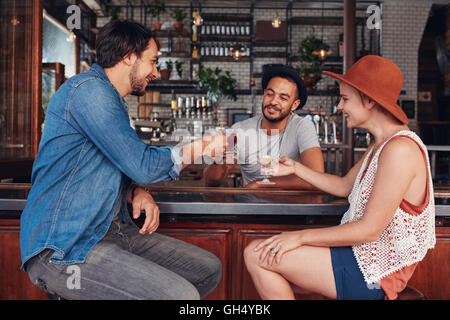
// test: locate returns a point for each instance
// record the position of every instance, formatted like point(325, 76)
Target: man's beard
point(282, 116)
point(137, 85)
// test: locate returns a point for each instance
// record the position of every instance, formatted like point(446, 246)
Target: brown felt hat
point(378, 78)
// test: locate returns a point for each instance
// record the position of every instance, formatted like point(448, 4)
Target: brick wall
point(403, 23)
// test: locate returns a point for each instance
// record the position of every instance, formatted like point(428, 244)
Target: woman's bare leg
point(307, 267)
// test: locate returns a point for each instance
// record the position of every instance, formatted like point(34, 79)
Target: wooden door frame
point(36, 76)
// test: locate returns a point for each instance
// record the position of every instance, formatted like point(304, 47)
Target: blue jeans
point(128, 265)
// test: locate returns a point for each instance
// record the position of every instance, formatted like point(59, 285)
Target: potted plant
point(179, 15)
point(217, 84)
point(156, 8)
point(179, 68)
point(310, 65)
point(166, 69)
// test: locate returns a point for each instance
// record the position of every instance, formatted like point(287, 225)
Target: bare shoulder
point(401, 152)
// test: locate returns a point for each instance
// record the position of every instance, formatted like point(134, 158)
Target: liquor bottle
point(341, 45)
point(194, 52)
point(218, 29)
point(188, 107)
point(199, 108)
point(216, 49)
point(174, 102)
point(194, 33)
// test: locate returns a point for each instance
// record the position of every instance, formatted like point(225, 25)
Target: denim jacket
point(87, 158)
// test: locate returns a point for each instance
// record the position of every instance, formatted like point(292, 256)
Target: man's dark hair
point(117, 39)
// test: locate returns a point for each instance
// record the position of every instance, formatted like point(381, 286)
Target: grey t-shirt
point(253, 142)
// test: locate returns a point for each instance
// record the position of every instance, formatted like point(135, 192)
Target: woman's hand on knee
point(273, 248)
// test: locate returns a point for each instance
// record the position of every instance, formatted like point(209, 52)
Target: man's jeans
point(128, 265)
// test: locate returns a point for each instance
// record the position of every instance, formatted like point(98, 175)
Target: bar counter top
point(230, 201)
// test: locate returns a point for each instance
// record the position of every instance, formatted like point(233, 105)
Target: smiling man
point(76, 216)
point(277, 131)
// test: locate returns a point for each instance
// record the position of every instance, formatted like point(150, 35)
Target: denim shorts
point(350, 284)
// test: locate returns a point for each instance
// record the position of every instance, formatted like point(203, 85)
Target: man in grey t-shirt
point(278, 131)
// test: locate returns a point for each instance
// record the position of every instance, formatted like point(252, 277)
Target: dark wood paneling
point(432, 275)
point(15, 283)
point(227, 241)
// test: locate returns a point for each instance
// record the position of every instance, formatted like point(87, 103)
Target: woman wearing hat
point(389, 225)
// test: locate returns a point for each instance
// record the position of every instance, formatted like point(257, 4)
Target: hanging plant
point(310, 64)
point(217, 84)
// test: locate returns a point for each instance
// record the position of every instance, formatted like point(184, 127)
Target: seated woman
point(389, 225)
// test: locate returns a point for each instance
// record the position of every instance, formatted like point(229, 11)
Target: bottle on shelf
point(174, 104)
point(180, 106)
point(188, 107)
point(194, 33)
point(195, 52)
point(199, 108)
point(341, 45)
point(217, 29)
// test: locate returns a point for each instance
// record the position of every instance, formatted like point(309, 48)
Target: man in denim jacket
point(77, 238)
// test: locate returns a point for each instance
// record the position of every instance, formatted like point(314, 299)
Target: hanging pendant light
point(71, 37)
point(197, 18)
point(323, 49)
point(236, 52)
point(276, 22)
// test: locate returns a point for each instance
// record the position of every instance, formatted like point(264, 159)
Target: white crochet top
point(405, 240)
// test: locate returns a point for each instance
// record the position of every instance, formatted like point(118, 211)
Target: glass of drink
point(231, 148)
point(268, 164)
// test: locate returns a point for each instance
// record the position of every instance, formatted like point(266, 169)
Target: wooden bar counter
point(223, 221)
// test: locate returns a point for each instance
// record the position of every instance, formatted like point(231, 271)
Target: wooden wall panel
point(432, 275)
point(14, 283)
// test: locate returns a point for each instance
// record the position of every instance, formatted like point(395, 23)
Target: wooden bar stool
point(410, 293)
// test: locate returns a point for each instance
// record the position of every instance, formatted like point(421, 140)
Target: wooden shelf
point(220, 59)
point(326, 21)
point(171, 33)
point(212, 37)
point(270, 43)
point(234, 17)
point(176, 54)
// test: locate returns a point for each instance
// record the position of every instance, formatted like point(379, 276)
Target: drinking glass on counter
point(268, 165)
